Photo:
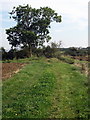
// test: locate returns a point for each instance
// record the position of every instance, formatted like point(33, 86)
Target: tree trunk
point(30, 51)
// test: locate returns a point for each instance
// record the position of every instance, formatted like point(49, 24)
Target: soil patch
point(8, 69)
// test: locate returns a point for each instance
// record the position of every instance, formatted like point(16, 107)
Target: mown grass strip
point(40, 95)
point(70, 97)
point(27, 94)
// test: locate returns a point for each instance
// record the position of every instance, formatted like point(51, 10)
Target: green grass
point(46, 89)
point(25, 60)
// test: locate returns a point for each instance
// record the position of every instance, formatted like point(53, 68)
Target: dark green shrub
point(67, 60)
point(21, 54)
point(57, 54)
point(48, 52)
point(38, 52)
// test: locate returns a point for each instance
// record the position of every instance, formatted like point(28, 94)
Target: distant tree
point(32, 27)
point(55, 44)
point(82, 52)
point(71, 51)
point(52, 50)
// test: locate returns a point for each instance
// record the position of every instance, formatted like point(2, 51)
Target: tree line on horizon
point(49, 51)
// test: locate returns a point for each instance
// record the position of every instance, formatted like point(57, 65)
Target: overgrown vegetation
point(48, 52)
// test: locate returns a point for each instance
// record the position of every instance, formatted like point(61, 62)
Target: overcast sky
point(72, 31)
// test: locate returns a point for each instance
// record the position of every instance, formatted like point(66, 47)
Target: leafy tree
point(32, 28)
point(55, 45)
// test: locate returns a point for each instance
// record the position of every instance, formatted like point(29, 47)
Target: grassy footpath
point(46, 89)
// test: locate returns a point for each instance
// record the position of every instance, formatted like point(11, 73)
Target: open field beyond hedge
point(46, 88)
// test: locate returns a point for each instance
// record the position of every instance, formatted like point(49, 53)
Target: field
point(45, 88)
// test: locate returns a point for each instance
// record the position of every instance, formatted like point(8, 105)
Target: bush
point(57, 54)
point(21, 54)
point(38, 52)
point(67, 60)
point(48, 52)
